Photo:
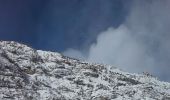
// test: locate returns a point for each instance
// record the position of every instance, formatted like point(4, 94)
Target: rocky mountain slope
point(29, 74)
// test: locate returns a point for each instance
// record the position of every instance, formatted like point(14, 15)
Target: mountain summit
point(29, 74)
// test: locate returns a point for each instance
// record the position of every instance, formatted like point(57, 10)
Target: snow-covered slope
point(29, 74)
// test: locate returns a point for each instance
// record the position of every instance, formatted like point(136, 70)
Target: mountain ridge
point(29, 74)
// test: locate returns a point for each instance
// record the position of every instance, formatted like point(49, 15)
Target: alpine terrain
point(29, 74)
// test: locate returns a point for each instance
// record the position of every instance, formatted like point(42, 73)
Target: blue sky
point(130, 34)
point(58, 24)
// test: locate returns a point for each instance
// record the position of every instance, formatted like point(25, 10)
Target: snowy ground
point(29, 74)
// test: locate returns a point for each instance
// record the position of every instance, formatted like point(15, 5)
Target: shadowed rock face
point(28, 74)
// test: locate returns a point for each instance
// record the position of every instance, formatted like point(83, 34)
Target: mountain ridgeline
point(29, 74)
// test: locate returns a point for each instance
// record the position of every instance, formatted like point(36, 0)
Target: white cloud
point(140, 44)
point(119, 48)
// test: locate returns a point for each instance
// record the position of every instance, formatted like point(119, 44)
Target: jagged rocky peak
point(29, 74)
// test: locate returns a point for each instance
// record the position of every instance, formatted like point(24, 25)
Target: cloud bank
point(140, 44)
